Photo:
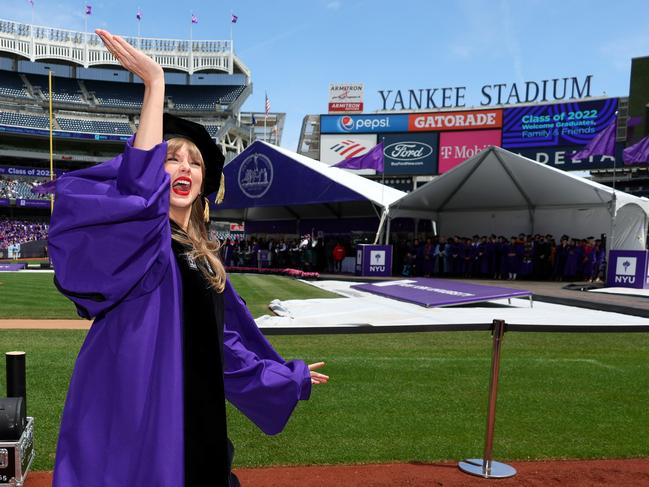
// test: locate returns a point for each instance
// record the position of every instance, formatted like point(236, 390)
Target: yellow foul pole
point(51, 142)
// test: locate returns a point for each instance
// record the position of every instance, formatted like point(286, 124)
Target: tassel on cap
point(206, 210)
point(221, 192)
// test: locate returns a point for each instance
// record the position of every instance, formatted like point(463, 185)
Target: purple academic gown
point(110, 242)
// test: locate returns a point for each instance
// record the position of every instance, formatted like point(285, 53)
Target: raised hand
point(131, 58)
point(149, 132)
point(316, 377)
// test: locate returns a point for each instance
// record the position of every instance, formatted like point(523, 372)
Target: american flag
point(194, 19)
point(234, 19)
point(31, 2)
point(88, 9)
point(138, 15)
point(267, 105)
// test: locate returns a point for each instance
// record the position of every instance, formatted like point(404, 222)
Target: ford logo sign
point(407, 151)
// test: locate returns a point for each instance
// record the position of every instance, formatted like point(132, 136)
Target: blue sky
point(296, 48)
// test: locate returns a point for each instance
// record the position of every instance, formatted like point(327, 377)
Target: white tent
point(497, 191)
point(300, 188)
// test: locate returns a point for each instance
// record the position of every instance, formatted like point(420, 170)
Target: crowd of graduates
point(306, 253)
point(538, 257)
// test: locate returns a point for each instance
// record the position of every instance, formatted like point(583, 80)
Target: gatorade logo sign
point(482, 119)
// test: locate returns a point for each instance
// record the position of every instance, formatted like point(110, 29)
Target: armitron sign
point(346, 97)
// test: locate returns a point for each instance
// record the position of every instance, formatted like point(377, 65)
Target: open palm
point(131, 58)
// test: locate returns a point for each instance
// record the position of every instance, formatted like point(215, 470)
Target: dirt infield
point(45, 324)
point(575, 473)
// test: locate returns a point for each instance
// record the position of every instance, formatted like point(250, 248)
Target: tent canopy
point(497, 191)
point(266, 182)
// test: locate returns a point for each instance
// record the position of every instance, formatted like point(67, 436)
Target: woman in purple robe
point(171, 338)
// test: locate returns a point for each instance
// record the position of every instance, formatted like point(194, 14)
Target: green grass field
point(33, 295)
point(413, 396)
point(416, 397)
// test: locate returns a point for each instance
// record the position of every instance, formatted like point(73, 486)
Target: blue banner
point(62, 134)
point(350, 124)
point(26, 203)
point(559, 157)
point(559, 124)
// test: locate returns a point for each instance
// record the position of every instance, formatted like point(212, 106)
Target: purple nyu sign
point(439, 292)
point(628, 268)
point(374, 260)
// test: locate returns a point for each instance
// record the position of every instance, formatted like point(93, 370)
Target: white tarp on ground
point(361, 308)
point(497, 191)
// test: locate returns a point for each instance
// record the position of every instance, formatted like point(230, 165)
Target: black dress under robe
point(208, 451)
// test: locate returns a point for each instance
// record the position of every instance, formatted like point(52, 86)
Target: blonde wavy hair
point(196, 237)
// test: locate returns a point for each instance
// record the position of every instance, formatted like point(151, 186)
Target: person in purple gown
point(573, 256)
point(429, 257)
point(513, 252)
point(560, 259)
point(171, 338)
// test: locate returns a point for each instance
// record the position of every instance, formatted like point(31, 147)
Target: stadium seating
point(20, 188)
point(94, 126)
point(202, 98)
point(12, 86)
point(212, 129)
point(120, 95)
point(24, 120)
point(66, 90)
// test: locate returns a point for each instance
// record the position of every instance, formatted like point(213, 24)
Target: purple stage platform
point(13, 267)
point(432, 293)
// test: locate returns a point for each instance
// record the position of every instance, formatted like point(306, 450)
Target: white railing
point(86, 49)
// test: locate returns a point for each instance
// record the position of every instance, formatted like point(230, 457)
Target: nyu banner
point(263, 176)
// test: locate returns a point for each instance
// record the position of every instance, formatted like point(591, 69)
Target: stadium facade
point(424, 143)
point(96, 103)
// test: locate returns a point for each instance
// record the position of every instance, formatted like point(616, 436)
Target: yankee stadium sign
point(492, 94)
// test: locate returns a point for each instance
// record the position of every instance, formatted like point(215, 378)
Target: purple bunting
point(603, 144)
point(372, 160)
point(637, 153)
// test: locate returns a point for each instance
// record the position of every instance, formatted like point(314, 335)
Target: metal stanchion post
point(485, 467)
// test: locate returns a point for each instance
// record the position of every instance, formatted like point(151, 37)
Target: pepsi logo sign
point(346, 123)
point(408, 151)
